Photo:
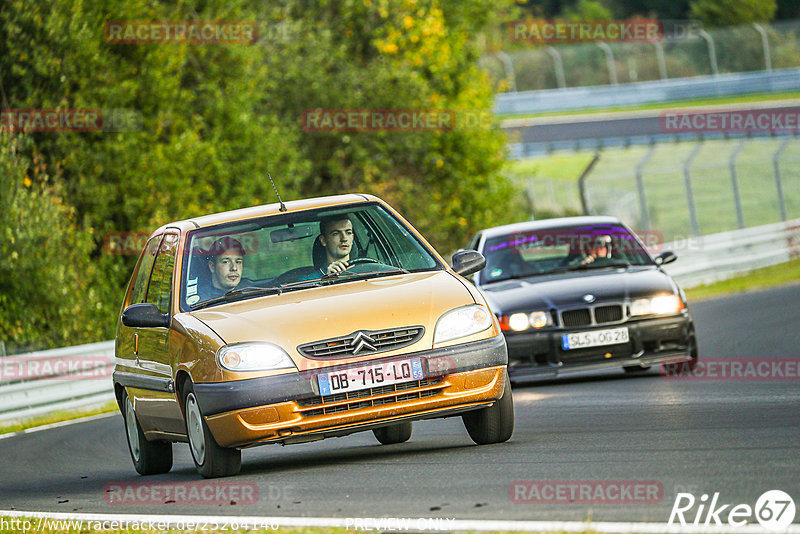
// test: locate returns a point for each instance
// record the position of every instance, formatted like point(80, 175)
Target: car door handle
point(136, 344)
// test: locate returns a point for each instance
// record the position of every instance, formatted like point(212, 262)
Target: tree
point(732, 12)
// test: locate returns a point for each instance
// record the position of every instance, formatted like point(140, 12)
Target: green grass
point(551, 182)
point(739, 99)
point(775, 275)
point(56, 417)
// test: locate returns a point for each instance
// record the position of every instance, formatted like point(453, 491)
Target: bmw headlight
point(253, 357)
point(462, 322)
point(661, 305)
point(522, 321)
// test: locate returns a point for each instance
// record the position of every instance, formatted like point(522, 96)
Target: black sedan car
point(583, 293)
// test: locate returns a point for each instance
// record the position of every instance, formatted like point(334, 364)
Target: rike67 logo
point(774, 511)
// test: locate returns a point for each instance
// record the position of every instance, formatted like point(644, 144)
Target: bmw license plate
point(595, 338)
point(367, 376)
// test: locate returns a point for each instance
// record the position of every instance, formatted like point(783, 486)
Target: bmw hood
point(569, 289)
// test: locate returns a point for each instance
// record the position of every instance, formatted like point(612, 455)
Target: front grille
point(608, 314)
point(576, 317)
point(589, 316)
point(363, 342)
point(320, 408)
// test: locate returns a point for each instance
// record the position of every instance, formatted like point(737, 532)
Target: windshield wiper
point(344, 275)
point(234, 294)
point(596, 265)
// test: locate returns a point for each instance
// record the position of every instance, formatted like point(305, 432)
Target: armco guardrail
point(39, 383)
point(707, 259)
point(633, 94)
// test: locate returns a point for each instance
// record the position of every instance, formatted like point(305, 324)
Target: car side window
point(139, 289)
point(159, 291)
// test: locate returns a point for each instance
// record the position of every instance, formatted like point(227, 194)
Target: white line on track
point(384, 523)
point(57, 425)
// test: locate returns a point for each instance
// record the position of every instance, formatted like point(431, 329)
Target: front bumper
point(289, 408)
point(652, 341)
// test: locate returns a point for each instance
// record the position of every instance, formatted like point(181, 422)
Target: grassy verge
point(775, 275)
point(55, 417)
point(738, 99)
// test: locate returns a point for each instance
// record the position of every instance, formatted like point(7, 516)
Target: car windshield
point(540, 252)
point(292, 251)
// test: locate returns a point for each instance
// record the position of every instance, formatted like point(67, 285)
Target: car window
point(142, 275)
point(159, 290)
point(287, 248)
point(535, 252)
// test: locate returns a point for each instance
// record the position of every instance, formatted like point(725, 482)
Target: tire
point(494, 424)
point(149, 457)
point(687, 367)
point(211, 460)
point(399, 433)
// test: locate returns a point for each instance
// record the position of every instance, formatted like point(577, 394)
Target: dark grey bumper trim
point(220, 397)
point(144, 382)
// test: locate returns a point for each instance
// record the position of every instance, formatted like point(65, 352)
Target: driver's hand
point(338, 266)
point(587, 260)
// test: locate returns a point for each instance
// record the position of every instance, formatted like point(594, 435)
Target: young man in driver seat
point(336, 236)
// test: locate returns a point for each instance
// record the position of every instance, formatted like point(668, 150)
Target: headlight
point(661, 305)
point(522, 321)
point(253, 357)
point(462, 322)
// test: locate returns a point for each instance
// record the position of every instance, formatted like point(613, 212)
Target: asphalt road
point(602, 126)
point(739, 438)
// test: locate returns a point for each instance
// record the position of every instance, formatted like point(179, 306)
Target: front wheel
point(494, 424)
point(211, 460)
point(399, 433)
point(149, 457)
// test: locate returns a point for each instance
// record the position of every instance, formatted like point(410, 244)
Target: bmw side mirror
point(666, 257)
point(144, 315)
point(466, 262)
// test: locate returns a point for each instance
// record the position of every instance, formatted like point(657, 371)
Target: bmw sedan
point(583, 293)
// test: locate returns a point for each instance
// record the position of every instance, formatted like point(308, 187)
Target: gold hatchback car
point(294, 322)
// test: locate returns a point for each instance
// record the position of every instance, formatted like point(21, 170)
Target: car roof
point(266, 209)
point(545, 224)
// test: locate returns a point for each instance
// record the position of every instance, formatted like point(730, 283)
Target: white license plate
point(595, 338)
point(367, 376)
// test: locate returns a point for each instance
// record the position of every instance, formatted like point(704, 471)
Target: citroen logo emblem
point(588, 297)
point(362, 343)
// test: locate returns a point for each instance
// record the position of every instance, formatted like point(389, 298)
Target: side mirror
point(466, 262)
point(144, 315)
point(666, 257)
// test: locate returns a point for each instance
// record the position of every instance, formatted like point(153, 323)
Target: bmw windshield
point(552, 250)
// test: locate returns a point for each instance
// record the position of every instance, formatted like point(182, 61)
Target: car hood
point(303, 316)
point(568, 289)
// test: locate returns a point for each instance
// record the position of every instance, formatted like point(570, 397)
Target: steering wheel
point(358, 261)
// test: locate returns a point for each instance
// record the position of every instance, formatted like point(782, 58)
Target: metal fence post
point(764, 45)
point(558, 66)
point(662, 63)
point(687, 177)
point(612, 71)
point(737, 197)
point(508, 67)
point(712, 51)
point(640, 187)
point(582, 182)
point(778, 184)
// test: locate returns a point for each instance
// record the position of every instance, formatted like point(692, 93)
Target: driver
point(600, 249)
point(225, 261)
point(336, 236)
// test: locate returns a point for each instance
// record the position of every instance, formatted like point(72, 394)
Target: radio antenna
point(283, 206)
